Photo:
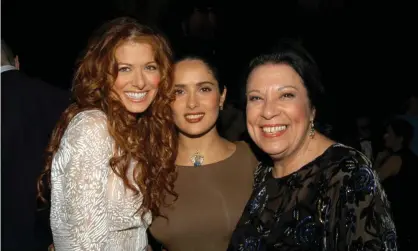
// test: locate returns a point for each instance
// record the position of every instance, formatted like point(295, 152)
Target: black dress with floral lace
point(333, 203)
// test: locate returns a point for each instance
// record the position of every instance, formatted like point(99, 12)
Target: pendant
point(197, 159)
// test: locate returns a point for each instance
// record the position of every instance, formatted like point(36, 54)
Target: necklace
point(197, 159)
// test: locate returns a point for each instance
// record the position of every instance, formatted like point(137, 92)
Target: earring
point(221, 107)
point(312, 130)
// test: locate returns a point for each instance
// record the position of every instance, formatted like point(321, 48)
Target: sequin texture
point(333, 203)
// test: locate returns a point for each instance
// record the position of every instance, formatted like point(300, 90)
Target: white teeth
point(194, 116)
point(274, 129)
point(136, 95)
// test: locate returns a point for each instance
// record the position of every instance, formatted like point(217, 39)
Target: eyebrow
point(278, 89)
point(122, 63)
point(287, 86)
point(198, 84)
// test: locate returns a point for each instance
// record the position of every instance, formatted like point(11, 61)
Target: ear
point(223, 97)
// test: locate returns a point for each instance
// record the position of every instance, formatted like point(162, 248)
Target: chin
point(196, 132)
point(273, 152)
point(138, 108)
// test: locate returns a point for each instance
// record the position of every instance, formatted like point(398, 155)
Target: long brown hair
point(136, 136)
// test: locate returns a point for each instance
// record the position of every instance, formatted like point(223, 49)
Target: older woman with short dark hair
point(317, 194)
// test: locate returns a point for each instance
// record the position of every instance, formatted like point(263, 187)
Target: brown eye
point(151, 67)
point(178, 92)
point(253, 98)
point(124, 69)
point(287, 96)
point(206, 89)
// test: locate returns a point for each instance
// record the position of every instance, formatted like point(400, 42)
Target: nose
point(139, 80)
point(270, 110)
point(192, 101)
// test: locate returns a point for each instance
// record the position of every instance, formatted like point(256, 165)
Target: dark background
point(366, 50)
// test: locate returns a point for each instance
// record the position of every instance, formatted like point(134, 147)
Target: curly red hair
point(136, 136)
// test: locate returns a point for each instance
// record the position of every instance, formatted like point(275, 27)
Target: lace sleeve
point(85, 168)
point(362, 218)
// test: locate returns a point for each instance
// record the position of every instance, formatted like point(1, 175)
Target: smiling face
point(278, 109)
point(198, 98)
point(138, 76)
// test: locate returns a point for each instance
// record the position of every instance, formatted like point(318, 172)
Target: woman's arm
point(84, 186)
point(361, 217)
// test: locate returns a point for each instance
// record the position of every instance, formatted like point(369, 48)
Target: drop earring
point(312, 130)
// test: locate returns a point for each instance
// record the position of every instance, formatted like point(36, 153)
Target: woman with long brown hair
point(106, 175)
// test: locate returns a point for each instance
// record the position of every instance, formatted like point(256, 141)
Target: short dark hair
point(294, 55)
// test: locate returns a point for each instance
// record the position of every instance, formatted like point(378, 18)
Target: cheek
point(214, 100)
point(174, 106)
point(210, 101)
point(119, 84)
point(154, 80)
point(299, 113)
point(252, 113)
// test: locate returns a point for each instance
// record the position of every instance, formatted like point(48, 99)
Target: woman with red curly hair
point(111, 157)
